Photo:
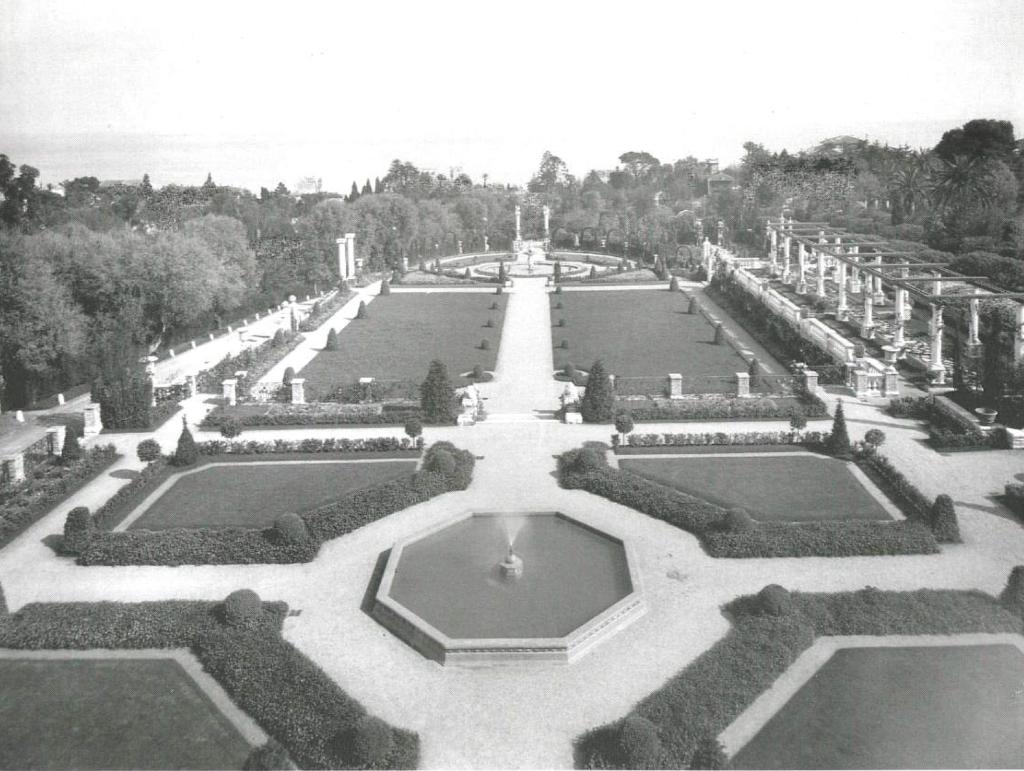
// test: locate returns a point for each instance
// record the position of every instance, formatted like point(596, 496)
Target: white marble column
point(787, 269)
point(841, 309)
point(879, 289)
point(937, 368)
point(898, 339)
point(519, 214)
point(973, 339)
point(801, 268)
point(820, 288)
point(867, 324)
point(854, 272)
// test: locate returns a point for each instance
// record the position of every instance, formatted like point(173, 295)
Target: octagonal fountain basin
point(486, 588)
point(536, 267)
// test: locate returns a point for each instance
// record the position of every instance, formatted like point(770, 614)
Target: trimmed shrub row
point(46, 485)
point(445, 468)
point(948, 428)
point(719, 409)
point(319, 414)
point(239, 643)
point(256, 361)
point(808, 438)
point(324, 309)
point(676, 726)
point(720, 533)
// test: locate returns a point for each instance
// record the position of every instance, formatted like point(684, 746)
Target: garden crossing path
point(523, 383)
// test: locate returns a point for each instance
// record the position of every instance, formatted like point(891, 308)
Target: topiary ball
point(440, 462)
point(485, 344)
point(370, 743)
point(291, 529)
point(639, 743)
point(242, 608)
point(774, 600)
point(564, 344)
point(478, 372)
point(148, 450)
point(738, 521)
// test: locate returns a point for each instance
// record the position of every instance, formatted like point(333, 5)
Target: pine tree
point(598, 403)
point(839, 439)
point(146, 188)
point(437, 394)
point(209, 184)
point(186, 452)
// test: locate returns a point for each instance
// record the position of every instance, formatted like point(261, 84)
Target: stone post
point(801, 267)
point(675, 385)
point(519, 227)
point(901, 317)
point(810, 381)
point(879, 289)
point(854, 272)
point(708, 267)
point(193, 385)
point(742, 384)
point(342, 261)
point(860, 381)
point(972, 334)
point(842, 309)
point(55, 436)
point(93, 420)
point(867, 325)
point(61, 400)
point(15, 467)
point(547, 222)
point(721, 233)
point(786, 267)
point(820, 287)
point(891, 385)
point(230, 391)
point(350, 255)
point(298, 390)
point(459, 245)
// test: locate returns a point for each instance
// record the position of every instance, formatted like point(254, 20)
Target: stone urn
point(986, 415)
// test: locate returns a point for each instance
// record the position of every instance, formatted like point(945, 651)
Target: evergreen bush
point(79, 528)
point(874, 438)
point(148, 450)
point(495, 306)
point(370, 742)
point(719, 333)
point(564, 344)
point(489, 323)
point(361, 312)
point(291, 528)
point(798, 421)
point(437, 395)
point(3, 603)
point(478, 372)
point(673, 285)
point(72, 450)
point(558, 289)
point(839, 440)
point(593, 271)
point(561, 322)
point(774, 600)
point(943, 520)
point(289, 375)
point(639, 742)
point(499, 290)
point(278, 339)
point(1012, 595)
point(332, 340)
point(243, 609)
point(558, 305)
point(623, 423)
point(186, 452)
point(413, 427)
point(230, 428)
point(709, 754)
point(485, 344)
point(385, 288)
point(598, 403)
point(694, 307)
point(738, 521)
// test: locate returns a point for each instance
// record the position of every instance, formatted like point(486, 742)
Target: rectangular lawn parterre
point(771, 487)
point(642, 333)
point(111, 713)
point(941, 707)
point(404, 332)
point(253, 495)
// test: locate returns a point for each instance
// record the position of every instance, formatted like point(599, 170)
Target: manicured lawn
point(643, 333)
point(85, 713)
point(404, 332)
point(955, 707)
point(772, 487)
point(239, 495)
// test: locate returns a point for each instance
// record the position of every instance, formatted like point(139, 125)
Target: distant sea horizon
point(263, 161)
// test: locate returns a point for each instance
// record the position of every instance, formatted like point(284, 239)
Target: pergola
point(865, 266)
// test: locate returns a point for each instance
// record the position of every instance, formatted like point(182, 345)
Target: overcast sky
point(338, 90)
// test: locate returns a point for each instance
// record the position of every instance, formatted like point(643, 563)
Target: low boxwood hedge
point(445, 468)
point(708, 695)
point(710, 523)
point(289, 696)
point(274, 415)
point(46, 485)
point(719, 409)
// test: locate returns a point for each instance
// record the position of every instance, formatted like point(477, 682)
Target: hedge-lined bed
point(46, 486)
point(292, 538)
point(723, 408)
point(948, 428)
point(239, 643)
point(677, 725)
point(277, 415)
point(731, 533)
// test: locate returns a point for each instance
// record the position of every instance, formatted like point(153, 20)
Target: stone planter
point(986, 415)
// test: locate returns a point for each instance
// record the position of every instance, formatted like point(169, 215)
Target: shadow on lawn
point(124, 473)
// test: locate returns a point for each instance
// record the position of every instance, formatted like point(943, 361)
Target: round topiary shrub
point(489, 323)
point(495, 306)
point(242, 608)
point(440, 461)
point(774, 600)
point(385, 288)
point(584, 460)
point(738, 521)
point(291, 528)
point(943, 520)
point(623, 423)
point(874, 438)
point(369, 743)
point(289, 375)
point(268, 757)
point(639, 743)
point(148, 450)
point(570, 370)
point(485, 344)
point(564, 344)
point(561, 322)
point(1012, 596)
point(231, 428)
point(413, 427)
point(79, 529)
point(798, 421)
point(478, 372)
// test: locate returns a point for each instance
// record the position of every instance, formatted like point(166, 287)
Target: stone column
point(854, 272)
point(350, 255)
point(937, 368)
point(15, 467)
point(867, 325)
point(519, 228)
point(801, 267)
point(230, 393)
point(742, 384)
point(879, 289)
point(972, 327)
point(773, 243)
point(810, 381)
point(193, 385)
point(820, 288)
point(891, 385)
point(841, 309)
point(786, 267)
point(55, 439)
point(342, 261)
point(900, 309)
point(298, 390)
point(1018, 336)
point(93, 420)
point(459, 246)
point(547, 222)
point(708, 267)
point(675, 385)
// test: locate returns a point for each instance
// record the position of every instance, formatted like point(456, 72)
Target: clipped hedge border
point(710, 523)
point(28, 502)
point(702, 700)
point(289, 696)
point(232, 546)
point(948, 428)
point(298, 419)
point(739, 408)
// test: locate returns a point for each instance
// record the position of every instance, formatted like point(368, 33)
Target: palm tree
point(909, 184)
point(961, 183)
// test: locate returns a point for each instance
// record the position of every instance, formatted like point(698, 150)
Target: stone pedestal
point(93, 421)
point(891, 385)
point(860, 382)
point(810, 381)
point(192, 384)
point(15, 465)
point(298, 390)
point(742, 384)
point(573, 418)
point(55, 439)
point(465, 419)
point(891, 352)
point(675, 385)
point(867, 324)
point(230, 392)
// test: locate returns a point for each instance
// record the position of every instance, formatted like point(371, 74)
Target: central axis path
point(523, 383)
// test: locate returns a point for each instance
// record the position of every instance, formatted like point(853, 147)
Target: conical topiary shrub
point(79, 528)
point(754, 370)
point(385, 288)
point(332, 340)
point(186, 452)
point(719, 333)
point(839, 440)
point(943, 520)
point(673, 285)
point(1012, 596)
point(361, 311)
point(694, 307)
point(289, 375)
point(598, 403)
point(437, 395)
point(485, 344)
point(593, 271)
point(72, 450)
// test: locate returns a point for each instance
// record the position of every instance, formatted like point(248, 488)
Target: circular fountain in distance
point(488, 588)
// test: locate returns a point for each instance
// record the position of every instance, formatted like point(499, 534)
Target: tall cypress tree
point(839, 440)
point(378, 186)
point(367, 190)
point(354, 193)
point(437, 394)
point(598, 403)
